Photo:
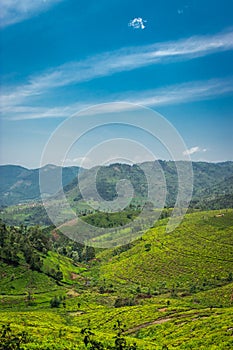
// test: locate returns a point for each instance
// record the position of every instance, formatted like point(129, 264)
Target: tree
point(120, 342)
point(10, 340)
point(3, 233)
point(89, 253)
point(35, 262)
point(55, 302)
point(230, 277)
point(90, 341)
point(59, 275)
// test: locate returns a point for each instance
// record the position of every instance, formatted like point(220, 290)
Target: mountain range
point(20, 185)
point(213, 182)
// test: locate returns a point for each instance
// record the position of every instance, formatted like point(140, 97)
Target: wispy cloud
point(170, 95)
point(193, 150)
point(122, 60)
point(183, 93)
point(28, 112)
point(14, 11)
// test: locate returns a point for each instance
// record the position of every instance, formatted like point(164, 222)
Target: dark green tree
point(89, 253)
point(9, 340)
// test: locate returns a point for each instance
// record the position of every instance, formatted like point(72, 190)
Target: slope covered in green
point(196, 255)
point(166, 290)
point(20, 185)
point(206, 179)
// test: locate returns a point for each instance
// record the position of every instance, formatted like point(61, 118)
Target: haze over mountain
point(211, 180)
point(18, 184)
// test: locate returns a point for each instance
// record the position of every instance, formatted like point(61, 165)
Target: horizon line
point(114, 163)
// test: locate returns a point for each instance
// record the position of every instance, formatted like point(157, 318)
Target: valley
point(116, 175)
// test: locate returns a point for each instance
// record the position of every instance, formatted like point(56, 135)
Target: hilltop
point(212, 188)
point(20, 185)
point(206, 176)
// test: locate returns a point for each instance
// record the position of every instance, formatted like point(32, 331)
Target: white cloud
point(109, 63)
point(193, 150)
point(183, 93)
point(137, 23)
point(14, 11)
point(16, 103)
point(170, 95)
point(28, 112)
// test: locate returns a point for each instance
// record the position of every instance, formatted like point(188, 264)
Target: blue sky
point(60, 56)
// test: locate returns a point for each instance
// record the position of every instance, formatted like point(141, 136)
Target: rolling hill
point(197, 254)
point(207, 177)
point(20, 185)
point(161, 291)
point(212, 188)
point(165, 290)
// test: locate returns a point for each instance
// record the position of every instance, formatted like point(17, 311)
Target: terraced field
point(167, 290)
point(196, 255)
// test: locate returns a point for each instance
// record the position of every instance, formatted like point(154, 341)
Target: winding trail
point(147, 324)
point(192, 317)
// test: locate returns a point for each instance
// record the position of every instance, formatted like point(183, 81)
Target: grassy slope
point(181, 325)
point(17, 282)
point(198, 253)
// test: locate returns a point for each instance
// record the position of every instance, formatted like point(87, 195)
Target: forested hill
point(211, 180)
point(19, 185)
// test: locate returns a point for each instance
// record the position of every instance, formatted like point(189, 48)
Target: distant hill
point(218, 196)
point(207, 177)
point(19, 185)
point(212, 188)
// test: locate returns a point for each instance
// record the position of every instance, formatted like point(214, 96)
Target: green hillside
point(212, 189)
point(206, 176)
point(196, 255)
point(219, 196)
point(20, 185)
point(165, 290)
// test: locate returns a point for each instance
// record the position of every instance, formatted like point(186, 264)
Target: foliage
point(10, 340)
point(119, 302)
point(180, 284)
point(28, 242)
point(108, 220)
point(120, 343)
point(57, 301)
point(196, 256)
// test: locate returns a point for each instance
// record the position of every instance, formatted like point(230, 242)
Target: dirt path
point(194, 317)
point(147, 324)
